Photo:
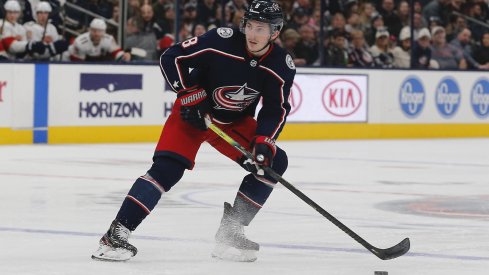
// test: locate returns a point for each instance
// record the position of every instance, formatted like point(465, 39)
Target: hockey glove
point(194, 106)
point(57, 47)
point(263, 150)
point(35, 47)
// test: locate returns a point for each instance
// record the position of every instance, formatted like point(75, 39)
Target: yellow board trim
point(103, 134)
point(10, 136)
point(292, 131)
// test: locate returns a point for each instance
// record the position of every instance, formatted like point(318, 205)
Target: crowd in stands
point(448, 34)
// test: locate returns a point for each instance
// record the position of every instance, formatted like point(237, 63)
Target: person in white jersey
point(13, 34)
point(97, 45)
point(42, 30)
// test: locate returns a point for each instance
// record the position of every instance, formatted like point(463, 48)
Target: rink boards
point(75, 103)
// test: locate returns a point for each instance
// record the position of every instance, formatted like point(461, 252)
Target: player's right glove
point(194, 106)
point(263, 150)
point(35, 47)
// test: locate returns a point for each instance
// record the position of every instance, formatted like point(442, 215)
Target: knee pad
point(166, 172)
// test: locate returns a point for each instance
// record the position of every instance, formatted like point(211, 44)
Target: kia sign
point(328, 98)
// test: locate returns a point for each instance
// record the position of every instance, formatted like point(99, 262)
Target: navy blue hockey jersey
point(234, 79)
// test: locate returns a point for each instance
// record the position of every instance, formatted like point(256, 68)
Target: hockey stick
point(384, 254)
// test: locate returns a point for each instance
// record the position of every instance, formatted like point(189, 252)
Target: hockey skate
point(114, 246)
point(231, 243)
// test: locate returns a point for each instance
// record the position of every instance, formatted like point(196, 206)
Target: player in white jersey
point(97, 45)
point(13, 34)
point(45, 32)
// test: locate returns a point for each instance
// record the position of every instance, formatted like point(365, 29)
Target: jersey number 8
point(189, 42)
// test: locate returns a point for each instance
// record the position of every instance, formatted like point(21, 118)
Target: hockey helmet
point(12, 5)
point(98, 24)
point(266, 11)
point(43, 7)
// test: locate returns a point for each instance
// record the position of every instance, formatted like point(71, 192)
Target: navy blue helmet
point(266, 11)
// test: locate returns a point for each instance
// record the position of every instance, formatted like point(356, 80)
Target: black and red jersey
point(235, 80)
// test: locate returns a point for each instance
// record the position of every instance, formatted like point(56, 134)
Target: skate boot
point(114, 245)
point(231, 243)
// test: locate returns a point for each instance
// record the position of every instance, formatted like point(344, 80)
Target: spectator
point(299, 18)
point(422, 50)
point(391, 19)
point(481, 53)
point(336, 54)
point(367, 9)
point(403, 13)
point(475, 12)
point(96, 45)
point(457, 24)
point(159, 9)
point(42, 30)
point(147, 33)
point(133, 8)
point(435, 8)
point(419, 23)
point(290, 39)
point(462, 43)
point(189, 18)
point(338, 22)
point(206, 12)
point(353, 22)
point(358, 55)
point(402, 53)
point(305, 5)
point(198, 29)
point(447, 56)
point(380, 50)
point(377, 22)
point(307, 47)
point(237, 6)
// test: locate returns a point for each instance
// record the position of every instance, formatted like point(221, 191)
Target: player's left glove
point(263, 150)
point(194, 106)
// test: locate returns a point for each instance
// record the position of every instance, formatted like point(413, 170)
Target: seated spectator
point(199, 29)
point(436, 8)
point(96, 45)
point(462, 43)
point(367, 9)
point(305, 5)
point(380, 50)
point(377, 22)
point(43, 31)
point(337, 23)
point(147, 23)
point(391, 19)
point(402, 53)
point(206, 12)
point(481, 53)
point(159, 9)
point(403, 13)
point(290, 39)
point(299, 18)
point(189, 18)
point(422, 50)
point(457, 23)
point(358, 54)
point(307, 47)
point(336, 54)
point(447, 56)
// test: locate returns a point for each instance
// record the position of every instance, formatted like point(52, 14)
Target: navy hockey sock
point(255, 189)
point(147, 190)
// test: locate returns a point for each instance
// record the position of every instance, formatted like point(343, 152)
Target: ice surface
point(57, 200)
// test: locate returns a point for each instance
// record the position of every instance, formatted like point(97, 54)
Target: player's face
point(257, 35)
point(96, 35)
point(12, 16)
point(42, 17)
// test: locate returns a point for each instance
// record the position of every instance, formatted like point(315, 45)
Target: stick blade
point(393, 252)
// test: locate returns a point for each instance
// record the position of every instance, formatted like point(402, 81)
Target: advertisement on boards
point(328, 98)
point(108, 95)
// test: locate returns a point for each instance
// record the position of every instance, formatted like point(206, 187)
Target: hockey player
point(221, 74)
point(13, 34)
point(96, 45)
point(43, 31)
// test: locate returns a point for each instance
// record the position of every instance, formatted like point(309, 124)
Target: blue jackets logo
point(479, 98)
point(90, 82)
point(447, 97)
point(99, 88)
point(412, 97)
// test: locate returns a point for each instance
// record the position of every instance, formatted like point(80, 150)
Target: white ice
point(57, 200)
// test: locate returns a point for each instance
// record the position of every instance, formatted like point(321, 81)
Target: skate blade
point(228, 253)
point(109, 254)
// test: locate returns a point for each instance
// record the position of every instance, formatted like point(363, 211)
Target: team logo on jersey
point(234, 98)
point(225, 32)
point(290, 62)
